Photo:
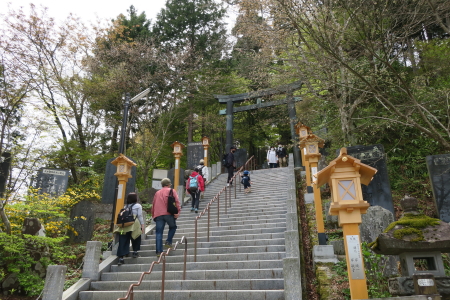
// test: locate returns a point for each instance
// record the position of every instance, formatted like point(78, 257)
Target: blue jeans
point(160, 224)
point(195, 196)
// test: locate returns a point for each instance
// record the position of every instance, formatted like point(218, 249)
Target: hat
point(202, 161)
point(246, 172)
point(232, 147)
point(166, 182)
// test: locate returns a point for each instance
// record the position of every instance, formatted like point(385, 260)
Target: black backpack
point(225, 161)
point(125, 217)
point(171, 204)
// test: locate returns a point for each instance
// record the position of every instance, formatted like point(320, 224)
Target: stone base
point(404, 286)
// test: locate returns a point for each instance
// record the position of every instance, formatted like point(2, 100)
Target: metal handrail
point(227, 194)
point(130, 292)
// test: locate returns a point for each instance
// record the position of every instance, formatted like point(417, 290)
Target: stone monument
point(51, 181)
point(82, 218)
point(439, 172)
point(378, 192)
point(195, 152)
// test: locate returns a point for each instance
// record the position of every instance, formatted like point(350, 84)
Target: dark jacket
point(230, 159)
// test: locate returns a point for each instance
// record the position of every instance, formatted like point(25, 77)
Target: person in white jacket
point(272, 157)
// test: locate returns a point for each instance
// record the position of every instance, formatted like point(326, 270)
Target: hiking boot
point(192, 209)
point(121, 261)
point(136, 255)
point(168, 245)
point(196, 210)
point(158, 254)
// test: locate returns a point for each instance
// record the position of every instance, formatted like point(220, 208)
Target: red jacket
point(159, 207)
point(201, 183)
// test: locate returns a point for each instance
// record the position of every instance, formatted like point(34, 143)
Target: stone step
point(191, 284)
point(277, 235)
point(187, 295)
point(230, 243)
point(197, 275)
point(137, 266)
point(178, 257)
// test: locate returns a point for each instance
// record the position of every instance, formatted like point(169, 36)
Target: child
point(246, 181)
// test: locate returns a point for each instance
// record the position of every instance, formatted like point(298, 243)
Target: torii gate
point(290, 100)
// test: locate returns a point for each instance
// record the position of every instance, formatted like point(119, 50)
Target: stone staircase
point(242, 260)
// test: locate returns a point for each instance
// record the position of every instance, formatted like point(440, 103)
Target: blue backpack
point(193, 183)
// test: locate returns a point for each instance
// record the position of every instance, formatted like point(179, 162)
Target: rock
point(32, 226)
point(374, 222)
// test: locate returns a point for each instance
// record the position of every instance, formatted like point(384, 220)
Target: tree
point(370, 48)
point(195, 26)
point(49, 57)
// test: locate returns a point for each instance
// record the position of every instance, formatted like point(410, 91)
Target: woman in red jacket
point(194, 186)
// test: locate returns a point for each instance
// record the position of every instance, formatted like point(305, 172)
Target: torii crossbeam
point(290, 100)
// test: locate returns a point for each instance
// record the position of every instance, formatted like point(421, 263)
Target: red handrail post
point(209, 217)
point(218, 208)
point(226, 198)
point(195, 240)
point(185, 257)
point(235, 187)
point(163, 275)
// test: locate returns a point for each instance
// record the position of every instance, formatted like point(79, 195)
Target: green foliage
point(414, 223)
point(341, 270)
point(446, 260)
point(377, 282)
point(197, 25)
point(17, 255)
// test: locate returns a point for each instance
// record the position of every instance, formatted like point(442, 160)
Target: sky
point(88, 10)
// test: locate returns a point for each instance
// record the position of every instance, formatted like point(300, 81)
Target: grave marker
point(52, 181)
point(378, 192)
point(439, 172)
point(240, 157)
point(195, 152)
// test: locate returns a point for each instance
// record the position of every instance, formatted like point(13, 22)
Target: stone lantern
point(311, 144)
point(302, 132)
point(206, 141)
point(345, 175)
point(419, 241)
point(123, 165)
point(177, 152)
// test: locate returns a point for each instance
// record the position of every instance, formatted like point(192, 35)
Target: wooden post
point(124, 165)
point(345, 175)
point(206, 142)
point(177, 152)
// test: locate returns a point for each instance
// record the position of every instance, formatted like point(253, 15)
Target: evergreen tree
point(197, 24)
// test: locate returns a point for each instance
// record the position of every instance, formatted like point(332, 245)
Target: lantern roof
point(312, 138)
point(299, 125)
point(122, 158)
point(179, 143)
point(343, 161)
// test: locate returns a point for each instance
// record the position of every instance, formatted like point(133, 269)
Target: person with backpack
point(281, 153)
point(131, 232)
point(203, 171)
point(194, 186)
point(161, 216)
point(230, 164)
point(246, 181)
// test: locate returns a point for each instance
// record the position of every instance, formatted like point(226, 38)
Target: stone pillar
point(54, 283)
point(180, 192)
point(213, 171)
point(292, 279)
point(219, 168)
point(92, 260)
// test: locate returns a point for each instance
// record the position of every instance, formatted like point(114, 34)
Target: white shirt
point(272, 157)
